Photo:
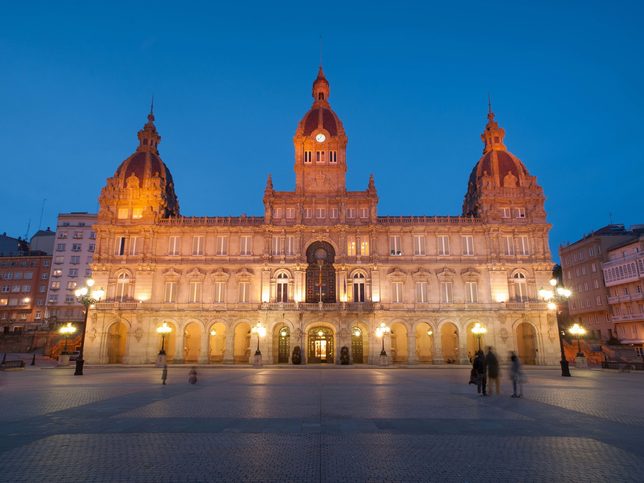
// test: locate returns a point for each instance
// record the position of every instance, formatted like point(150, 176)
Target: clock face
point(320, 138)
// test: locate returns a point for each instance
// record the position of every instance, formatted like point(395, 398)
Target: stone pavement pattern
point(317, 424)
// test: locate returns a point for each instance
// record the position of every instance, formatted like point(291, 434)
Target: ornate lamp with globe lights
point(87, 297)
point(554, 297)
point(260, 331)
point(381, 331)
point(578, 331)
point(163, 330)
point(478, 330)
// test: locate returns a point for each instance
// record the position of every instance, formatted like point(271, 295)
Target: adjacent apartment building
point(624, 276)
point(73, 252)
point(581, 263)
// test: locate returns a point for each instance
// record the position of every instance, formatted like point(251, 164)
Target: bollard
point(4, 358)
point(33, 361)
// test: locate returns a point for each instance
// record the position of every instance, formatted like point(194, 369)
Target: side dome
point(142, 186)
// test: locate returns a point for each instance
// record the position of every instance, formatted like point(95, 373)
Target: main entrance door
point(320, 345)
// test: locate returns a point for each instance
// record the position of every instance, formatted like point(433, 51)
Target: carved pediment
point(220, 275)
point(421, 274)
point(470, 274)
point(244, 273)
point(445, 273)
point(396, 274)
point(195, 273)
point(171, 273)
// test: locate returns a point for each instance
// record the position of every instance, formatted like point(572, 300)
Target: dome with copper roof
point(145, 167)
point(320, 116)
point(503, 167)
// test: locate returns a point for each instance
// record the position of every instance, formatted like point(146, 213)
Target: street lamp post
point(66, 331)
point(577, 330)
point(260, 331)
point(87, 297)
point(554, 298)
point(381, 331)
point(164, 329)
point(478, 330)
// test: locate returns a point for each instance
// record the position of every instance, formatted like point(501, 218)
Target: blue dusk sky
point(409, 80)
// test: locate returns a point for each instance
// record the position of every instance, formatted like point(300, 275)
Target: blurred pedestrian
point(492, 364)
point(479, 366)
point(516, 374)
point(164, 374)
point(192, 375)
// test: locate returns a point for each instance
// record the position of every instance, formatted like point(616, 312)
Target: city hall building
point(321, 270)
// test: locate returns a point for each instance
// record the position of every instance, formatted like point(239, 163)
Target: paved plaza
point(317, 424)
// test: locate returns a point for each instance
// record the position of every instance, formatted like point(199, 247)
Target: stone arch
point(449, 335)
point(526, 341)
point(217, 341)
point(359, 342)
point(399, 344)
point(192, 334)
point(424, 341)
point(472, 341)
point(241, 342)
point(170, 341)
point(321, 347)
point(117, 341)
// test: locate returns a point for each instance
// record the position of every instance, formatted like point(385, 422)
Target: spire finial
point(490, 114)
point(151, 115)
point(320, 51)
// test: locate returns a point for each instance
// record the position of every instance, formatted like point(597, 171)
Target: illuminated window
point(394, 245)
point(421, 292)
point(468, 245)
point(137, 213)
point(419, 245)
point(123, 213)
point(471, 293)
point(282, 287)
point(358, 287)
point(364, 248)
point(245, 245)
point(351, 246)
point(195, 292)
point(443, 245)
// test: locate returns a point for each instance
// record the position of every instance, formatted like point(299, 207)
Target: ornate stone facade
point(321, 270)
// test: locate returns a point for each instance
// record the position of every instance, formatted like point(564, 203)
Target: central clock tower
point(320, 146)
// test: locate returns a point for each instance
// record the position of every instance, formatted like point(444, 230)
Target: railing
point(407, 220)
point(214, 221)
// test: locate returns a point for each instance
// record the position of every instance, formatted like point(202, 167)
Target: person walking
point(479, 367)
point(516, 374)
point(164, 374)
point(192, 375)
point(492, 364)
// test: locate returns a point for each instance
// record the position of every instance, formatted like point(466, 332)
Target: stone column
point(412, 357)
point(462, 346)
point(205, 346)
point(179, 351)
point(437, 349)
point(229, 346)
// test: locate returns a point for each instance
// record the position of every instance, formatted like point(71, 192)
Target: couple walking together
point(485, 373)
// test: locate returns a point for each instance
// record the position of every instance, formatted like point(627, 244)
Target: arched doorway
point(449, 342)
point(241, 351)
point(217, 342)
point(473, 341)
point(281, 344)
point(424, 342)
point(320, 274)
point(527, 343)
point(399, 349)
point(116, 340)
point(357, 344)
point(191, 342)
point(321, 348)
